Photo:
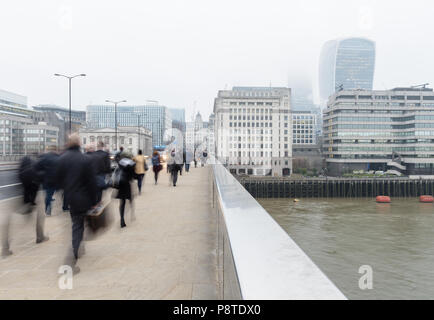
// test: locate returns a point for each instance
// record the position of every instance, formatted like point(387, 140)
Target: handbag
point(116, 177)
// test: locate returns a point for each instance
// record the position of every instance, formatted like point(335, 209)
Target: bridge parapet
point(257, 258)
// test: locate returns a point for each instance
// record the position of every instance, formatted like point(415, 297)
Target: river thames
point(341, 235)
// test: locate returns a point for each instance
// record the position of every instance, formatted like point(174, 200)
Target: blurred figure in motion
point(140, 169)
point(188, 159)
point(76, 176)
point(174, 163)
point(30, 179)
point(101, 161)
point(125, 175)
point(46, 167)
point(204, 157)
point(156, 164)
point(118, 154)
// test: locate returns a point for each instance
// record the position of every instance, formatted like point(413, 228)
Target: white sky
point(179, 52)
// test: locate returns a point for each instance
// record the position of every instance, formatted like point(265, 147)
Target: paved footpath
point(167, 252)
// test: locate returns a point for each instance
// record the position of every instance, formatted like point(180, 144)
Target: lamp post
point(69, 79)
point(116, 119)
point(138, 132)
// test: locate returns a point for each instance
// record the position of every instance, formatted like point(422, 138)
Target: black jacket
point(101, 162)
point(46, 167)
point(76, 176)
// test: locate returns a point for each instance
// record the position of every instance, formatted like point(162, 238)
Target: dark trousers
point(140, 181)
point(77, 232)
point(174, 173)
point(187, 167)
point(49, 192)
point(30, 191)
point(156, 176)
point(122, 210)
point(65, 202)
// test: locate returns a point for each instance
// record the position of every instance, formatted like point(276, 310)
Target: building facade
point(59, 117)
point(253, 130)
point(22, 130)
point(131, 139)
point(153, 117)
point(196, 136)
point(304, 128)
point(346, 64)
point(20, 136)
point(380, 130)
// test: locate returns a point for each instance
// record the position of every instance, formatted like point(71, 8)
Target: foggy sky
point(182, 52)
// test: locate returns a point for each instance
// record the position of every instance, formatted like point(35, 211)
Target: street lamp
point(116, 118)
point(69, 79)
point(138, 131)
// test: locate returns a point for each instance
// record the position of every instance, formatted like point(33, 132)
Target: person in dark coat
point(46, 166)
point(156, 164)
point(101, 161)
point(30, 181)
point(126, 166)
point(76, 176)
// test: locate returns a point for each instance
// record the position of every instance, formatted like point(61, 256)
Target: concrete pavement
point(168, 252)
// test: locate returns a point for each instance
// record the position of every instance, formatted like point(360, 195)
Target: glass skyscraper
point(347, 63)
point(153, 117)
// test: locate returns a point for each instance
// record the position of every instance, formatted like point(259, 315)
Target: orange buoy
point(383, 199)
point(427, 199)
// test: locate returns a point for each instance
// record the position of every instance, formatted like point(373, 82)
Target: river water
point(340, 235)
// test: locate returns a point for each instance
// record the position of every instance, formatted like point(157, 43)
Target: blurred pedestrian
point(30, 179)
point(76, 176)
point(126, 174)
point(156, 164)
point(174, 163)
point(47, 166)
point(101, 162)
point(140, 169)
point(118, 154)
point(204, 157)
point(188, 159)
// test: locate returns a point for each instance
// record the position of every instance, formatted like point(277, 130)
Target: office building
point(59, 117)
point(346, 64)
point(196, 135)
point(153, 117)
point(304, 127)
point(177, 114)
point(380, 130)
point(253, 130)
point(131, 139)
point(22, 130)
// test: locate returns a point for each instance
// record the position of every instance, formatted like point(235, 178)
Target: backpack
point(155, 161)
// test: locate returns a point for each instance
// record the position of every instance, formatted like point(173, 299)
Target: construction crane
point(422, 86)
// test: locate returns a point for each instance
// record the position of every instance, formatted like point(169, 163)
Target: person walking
point(204, 157)
point(140, 169)
point(174, 163)
point(188, 158)
point(126, 172)
point(118, 154)
point(31, 181)
point(101, 161)
point(156, 164)
point(75, 175)
point(46, 166)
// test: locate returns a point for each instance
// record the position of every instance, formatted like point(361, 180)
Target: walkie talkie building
point(346, 63)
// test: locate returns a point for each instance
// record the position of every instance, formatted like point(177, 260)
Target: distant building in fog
point(349, 63)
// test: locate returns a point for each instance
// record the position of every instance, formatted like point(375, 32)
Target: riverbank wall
point(336, 187)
